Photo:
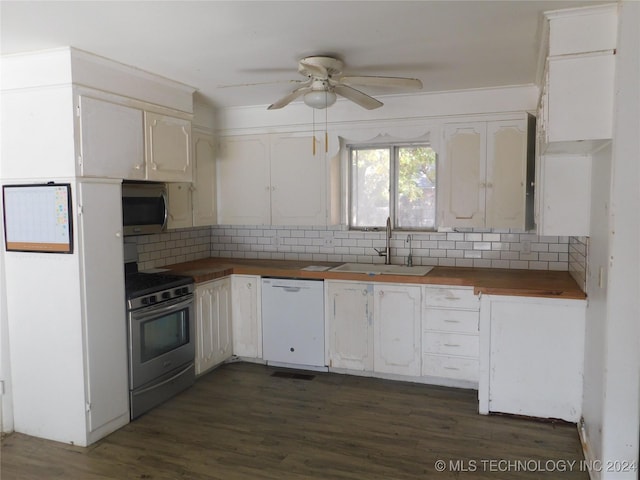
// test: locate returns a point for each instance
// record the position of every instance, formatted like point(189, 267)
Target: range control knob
point(152, 299)
point(144, 301)
point(166, 295)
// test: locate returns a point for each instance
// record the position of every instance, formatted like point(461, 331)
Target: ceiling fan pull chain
point(314, 131)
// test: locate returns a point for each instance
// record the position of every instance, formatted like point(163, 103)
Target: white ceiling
point(449, 45)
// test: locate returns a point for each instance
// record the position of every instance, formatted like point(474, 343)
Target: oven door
point(161, 339)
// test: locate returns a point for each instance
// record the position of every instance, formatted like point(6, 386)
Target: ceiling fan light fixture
point(320, 99)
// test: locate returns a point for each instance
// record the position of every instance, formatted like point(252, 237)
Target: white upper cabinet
point(271, 180)
point(167, 148)
point(462, 175)
point(111, 140)
point(563, 196)
point(578, 93)
point(483, 174)
point(579, 103)
point(180, 211)
point(243, 180)
point(204, 180)
point(298, 181)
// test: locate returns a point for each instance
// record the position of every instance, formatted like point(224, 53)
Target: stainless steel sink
point(374, 269)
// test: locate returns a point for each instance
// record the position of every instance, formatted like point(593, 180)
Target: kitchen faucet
point(386, 253)
point(410, 257)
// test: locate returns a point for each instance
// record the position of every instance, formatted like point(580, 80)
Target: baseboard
point(594, 474)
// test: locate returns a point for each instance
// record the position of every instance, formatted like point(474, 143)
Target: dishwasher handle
point(287, 288)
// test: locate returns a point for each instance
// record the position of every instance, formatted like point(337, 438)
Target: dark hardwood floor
point(240, 422)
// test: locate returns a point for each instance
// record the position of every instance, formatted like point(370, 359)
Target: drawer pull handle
point(451, 345)
point(452, 321)
point(451, 368)
point(452, 298)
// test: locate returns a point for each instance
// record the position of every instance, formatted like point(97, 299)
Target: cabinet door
point(506, 174)
point(581, 91)
point(180, 211)
point(213, 324)
point(536, 357)
point(111, 140)
point(107, 387)
point(397, 339)
point(167, 148)
point(350, 325)
point(243, 181)
point(564, 195)
point(298, 179)
point(246, 318)
point(462, 176)
point(204, 180)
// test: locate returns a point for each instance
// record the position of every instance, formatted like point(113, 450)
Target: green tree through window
point(393, 180)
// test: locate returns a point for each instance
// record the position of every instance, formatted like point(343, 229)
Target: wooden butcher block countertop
point(529, 283)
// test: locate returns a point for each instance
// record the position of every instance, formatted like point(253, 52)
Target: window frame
point(394, 160)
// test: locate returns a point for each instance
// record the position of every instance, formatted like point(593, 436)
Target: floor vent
point(296, 376)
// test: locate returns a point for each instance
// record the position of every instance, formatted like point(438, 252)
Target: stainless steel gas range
point(160, 321)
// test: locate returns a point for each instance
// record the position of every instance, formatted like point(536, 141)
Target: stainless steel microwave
point(144, 207)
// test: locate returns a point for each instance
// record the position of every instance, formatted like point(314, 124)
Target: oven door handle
point(161, 311)
point(164, 382)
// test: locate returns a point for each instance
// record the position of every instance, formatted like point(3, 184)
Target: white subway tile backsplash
point(465, 247)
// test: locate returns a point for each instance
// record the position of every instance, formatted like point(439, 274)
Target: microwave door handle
point(160, 311)
point(166, 210)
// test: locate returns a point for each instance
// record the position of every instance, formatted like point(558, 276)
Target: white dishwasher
point(293, 323)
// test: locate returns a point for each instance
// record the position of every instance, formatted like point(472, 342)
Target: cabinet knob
point(381, 293)
point(138, 167)
point(118, 234)
point(248, 285)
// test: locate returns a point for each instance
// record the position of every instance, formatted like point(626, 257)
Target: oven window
point(163, 334)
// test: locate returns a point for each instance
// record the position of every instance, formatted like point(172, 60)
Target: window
point(397, 181)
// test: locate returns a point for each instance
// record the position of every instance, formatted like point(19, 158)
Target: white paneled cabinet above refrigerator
point(122, 142)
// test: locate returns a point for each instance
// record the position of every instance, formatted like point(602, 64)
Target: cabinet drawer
point(451, 298)
point(449, 320)
point(451, 344)
point(450, 367)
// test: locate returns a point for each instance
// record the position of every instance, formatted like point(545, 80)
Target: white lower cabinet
point(213, 323)
point(450, 333)
point(246, 316)
point(349, 307)
point(373, 327)
point(532, 356)
point(396, 320)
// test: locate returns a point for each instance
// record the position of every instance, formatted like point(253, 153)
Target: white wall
point(612, 373)
point(597, 311)
point(298, 116)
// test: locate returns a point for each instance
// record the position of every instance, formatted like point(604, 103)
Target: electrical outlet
point(526, 247)
point(328, 242)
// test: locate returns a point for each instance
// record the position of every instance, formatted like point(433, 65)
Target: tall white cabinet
point(70, 310)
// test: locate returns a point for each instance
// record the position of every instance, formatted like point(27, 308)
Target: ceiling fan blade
point(261, 83)
point(284, 101)
point(356, 96)
point(374, 81)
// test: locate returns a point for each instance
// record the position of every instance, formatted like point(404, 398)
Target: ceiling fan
point(325, 82)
